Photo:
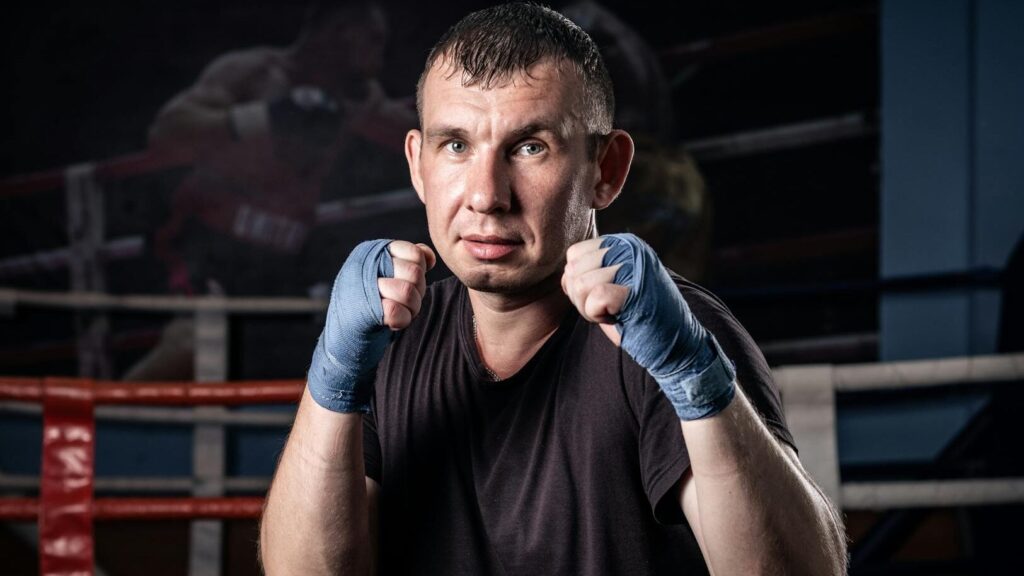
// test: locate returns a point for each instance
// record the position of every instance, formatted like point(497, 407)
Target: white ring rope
point(264, 418)
point(10, 297)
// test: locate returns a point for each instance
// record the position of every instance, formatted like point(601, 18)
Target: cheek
point(438, 216)
point(564, 216)
point(577, 220)
point(577, 199)
point(443, 183)
point(442, 207)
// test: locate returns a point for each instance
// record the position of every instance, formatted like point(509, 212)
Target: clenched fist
point(618, 282)
point(380, 286)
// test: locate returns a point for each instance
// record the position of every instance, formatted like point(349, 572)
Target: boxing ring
point(69, 407)
point(66, 507)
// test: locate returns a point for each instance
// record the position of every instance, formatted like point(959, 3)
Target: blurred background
point(845, 175)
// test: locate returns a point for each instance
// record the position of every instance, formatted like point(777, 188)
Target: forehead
point(548, 90)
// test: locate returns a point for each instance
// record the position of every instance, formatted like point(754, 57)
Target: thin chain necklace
point(476, 340)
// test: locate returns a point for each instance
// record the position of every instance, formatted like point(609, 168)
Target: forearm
point(752, 507)
point(759, 512)
point(316, 517)
point(187, 123)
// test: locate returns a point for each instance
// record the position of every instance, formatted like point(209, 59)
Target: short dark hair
point(492, 45)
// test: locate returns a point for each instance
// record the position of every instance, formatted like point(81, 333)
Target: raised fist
point(618, 282)
point(379, 289)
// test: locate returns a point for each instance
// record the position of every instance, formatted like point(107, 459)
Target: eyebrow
point(445, 132)
point(534, 128)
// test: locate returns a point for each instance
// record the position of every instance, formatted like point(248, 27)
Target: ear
point(413, 142)
point(613, 160)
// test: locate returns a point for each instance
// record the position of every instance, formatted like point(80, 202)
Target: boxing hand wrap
point(663, 336)
point(354, 338)
point(249, 121)
point(304, 113)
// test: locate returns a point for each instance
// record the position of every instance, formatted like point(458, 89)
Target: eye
point(456, 146)
point(530, 149)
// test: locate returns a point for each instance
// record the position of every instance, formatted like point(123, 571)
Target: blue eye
point(456, 146)
point(531, 149)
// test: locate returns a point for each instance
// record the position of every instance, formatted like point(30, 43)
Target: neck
point(511, 328)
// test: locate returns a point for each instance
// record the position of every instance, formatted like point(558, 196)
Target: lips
point(490, 247)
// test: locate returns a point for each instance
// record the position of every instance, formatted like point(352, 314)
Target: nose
point(490, 189)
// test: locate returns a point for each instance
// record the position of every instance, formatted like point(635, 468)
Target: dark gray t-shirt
point(567, 467)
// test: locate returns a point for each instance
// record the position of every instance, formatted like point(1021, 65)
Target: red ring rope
point(241, 507)
point(66, 509)
point(115, 168)
point(164, 393)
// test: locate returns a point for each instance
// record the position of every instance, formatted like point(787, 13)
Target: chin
point(508, 284)
point(482, 281)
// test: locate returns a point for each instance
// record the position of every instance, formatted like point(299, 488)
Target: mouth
point(490, 247)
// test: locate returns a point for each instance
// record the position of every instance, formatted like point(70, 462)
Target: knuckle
point(598, 297)
point(408, 292)
point(390, 308)
point(400, 245)
point(571, 285)
point(403, 320)
point(396, 316)
point(399, 249)
point(571, 253)
point(415, 270)
point(605, 293)
point(585, 284)
point(580, 294)
point(398, 291)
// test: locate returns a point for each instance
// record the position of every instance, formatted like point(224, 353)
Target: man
point(265, 125)
point(504, 430)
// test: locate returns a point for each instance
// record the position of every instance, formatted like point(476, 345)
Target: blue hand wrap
point(661, 334)
point(354, 338)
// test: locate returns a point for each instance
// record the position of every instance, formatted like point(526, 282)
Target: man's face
point(505, 175)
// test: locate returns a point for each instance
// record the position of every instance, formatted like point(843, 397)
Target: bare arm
point(198, 118)
point(320, 506)
point(768, 516)
point(752, 507)
point(321, 512)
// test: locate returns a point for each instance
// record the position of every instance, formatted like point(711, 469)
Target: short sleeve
point(752, 371)
point(663, 455)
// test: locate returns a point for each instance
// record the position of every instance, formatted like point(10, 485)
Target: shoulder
point(752, 371)
point(240, 65)
point(716, 317)
point(697, 294)
point(713, 313)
